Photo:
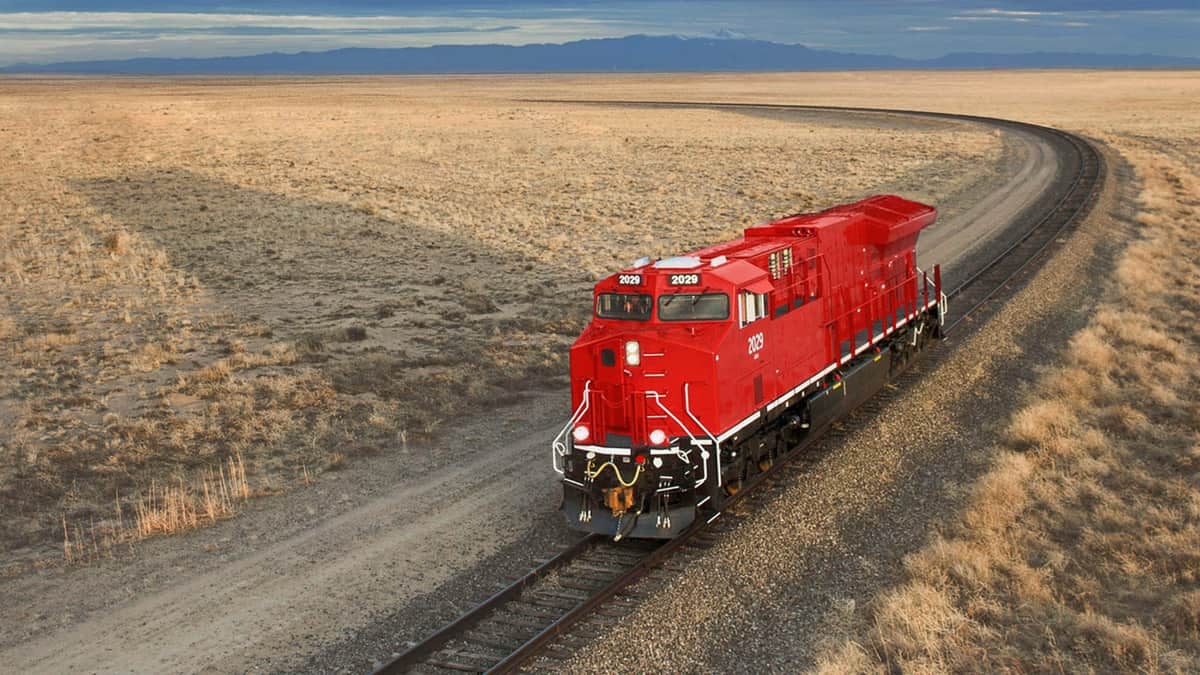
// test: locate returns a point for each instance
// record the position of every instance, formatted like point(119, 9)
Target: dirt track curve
point(292, 586)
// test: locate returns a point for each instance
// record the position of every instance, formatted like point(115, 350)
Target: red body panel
point(833, 282)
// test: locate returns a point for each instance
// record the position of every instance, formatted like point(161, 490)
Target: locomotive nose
point(629, 366)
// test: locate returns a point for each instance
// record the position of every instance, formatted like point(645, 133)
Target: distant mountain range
point(635, 53)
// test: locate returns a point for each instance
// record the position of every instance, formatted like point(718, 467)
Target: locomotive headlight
point(658, 437)
point(633, 353)
point(580, 433)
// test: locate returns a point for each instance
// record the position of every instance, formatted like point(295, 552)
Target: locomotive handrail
point(658, 400)
point(687, 406)
point(912, 308)
point(558, 447)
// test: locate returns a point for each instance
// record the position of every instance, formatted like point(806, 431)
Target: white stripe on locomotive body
point(797, 389)
point(626, 452)
point(738, 427)
point(604, 450)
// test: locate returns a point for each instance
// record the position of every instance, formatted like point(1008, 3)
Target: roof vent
point(679, 262)
point(719, 260)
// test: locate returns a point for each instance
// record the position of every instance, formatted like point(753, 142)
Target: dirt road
point(343, 572)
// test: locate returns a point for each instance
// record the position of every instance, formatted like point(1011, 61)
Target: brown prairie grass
point(8, 327)
point(1080, 549)
point(168, 509)
point(337, 461)
point(117, 243)
point(162, 509)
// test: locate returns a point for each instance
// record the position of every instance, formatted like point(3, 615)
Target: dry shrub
point(949, 560)
point(1137, 269)
point(1043, 423)
point(163, 509)
point(1137, 333)
point(337, 462)
point(1181, 615)
point(170, 509)
point(118, 242)
point(1115, 645)
point(150, 357)
point(1082, 385)
point(213, 374)
point(1000, 495)
point(8, 327)
point(1089, 350)
point(49, 342)
point(919, 616)
point(851, 657)
point(1123, 418)
point(276, 354)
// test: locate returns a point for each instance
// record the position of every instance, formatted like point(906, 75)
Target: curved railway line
point(586, 580)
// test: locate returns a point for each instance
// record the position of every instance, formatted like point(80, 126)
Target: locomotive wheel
point(733, 487)
point(765, 463)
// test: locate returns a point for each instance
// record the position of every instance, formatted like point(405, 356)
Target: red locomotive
point(698, 370)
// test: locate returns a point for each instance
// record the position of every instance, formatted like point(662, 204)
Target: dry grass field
point(1080, 549)
point(211, 290)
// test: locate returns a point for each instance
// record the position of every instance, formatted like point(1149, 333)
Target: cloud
point(154, 22)
point(923, 29)
point(113, 31)
point(52, 36)
point(1006, 19)
point(1010, 12)
point(1063, 6)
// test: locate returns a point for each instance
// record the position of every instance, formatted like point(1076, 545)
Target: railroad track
point(592, 578)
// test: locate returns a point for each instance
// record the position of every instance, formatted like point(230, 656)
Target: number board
point(629, 279)
point(692, 279)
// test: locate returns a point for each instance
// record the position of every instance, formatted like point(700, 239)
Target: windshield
point(633, 306)
point(693, 307)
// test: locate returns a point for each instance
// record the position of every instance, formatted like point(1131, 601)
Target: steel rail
point(999, 272)
point(433, 643)
point(1075, 203)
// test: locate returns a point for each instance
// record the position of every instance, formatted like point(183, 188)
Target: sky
point(51, 31)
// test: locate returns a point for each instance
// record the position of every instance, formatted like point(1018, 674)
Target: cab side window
point(752, 306)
